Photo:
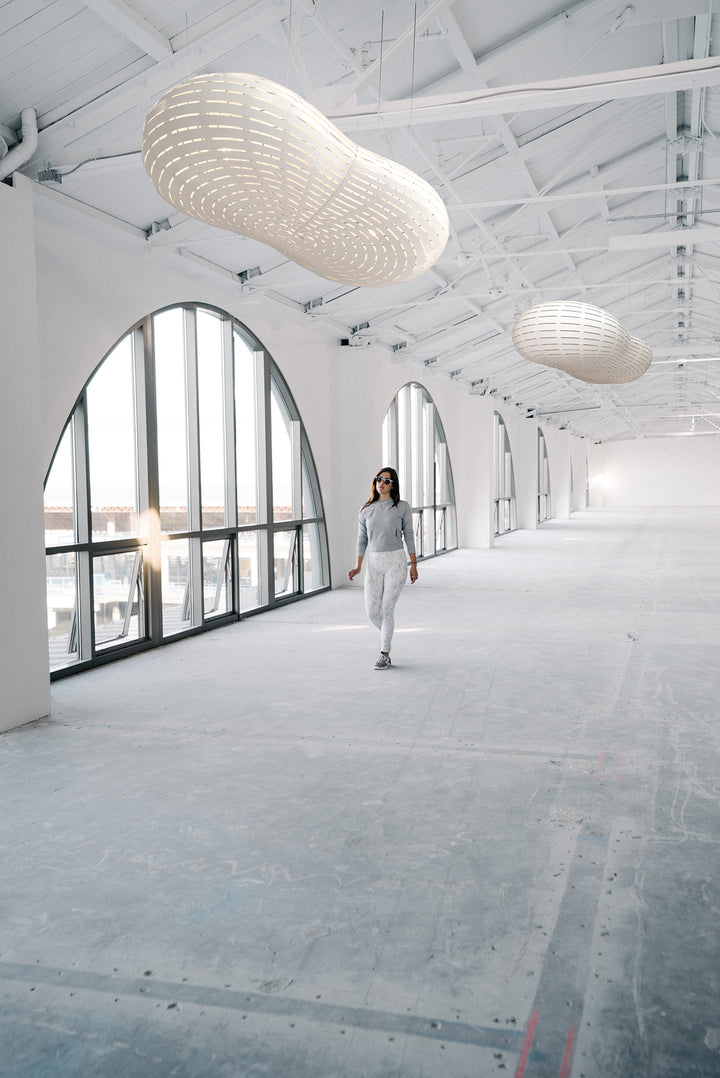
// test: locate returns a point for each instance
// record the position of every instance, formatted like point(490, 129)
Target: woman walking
point(383, 523)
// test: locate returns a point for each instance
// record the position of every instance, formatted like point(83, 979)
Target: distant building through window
point(182, 493)
point(413, 442)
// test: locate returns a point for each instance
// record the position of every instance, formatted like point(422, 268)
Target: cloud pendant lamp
point(584, 341)
point(250, 156)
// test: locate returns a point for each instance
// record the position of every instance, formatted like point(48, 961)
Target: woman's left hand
point(413, 574)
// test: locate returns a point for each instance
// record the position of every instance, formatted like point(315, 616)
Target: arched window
point(182, 493)
point(505, 502)
point(543, 479)
point(413, 442)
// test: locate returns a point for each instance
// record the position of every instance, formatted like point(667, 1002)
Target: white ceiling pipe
point(25, 149)
point(310, 9)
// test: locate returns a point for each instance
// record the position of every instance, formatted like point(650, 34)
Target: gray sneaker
point(383, 661)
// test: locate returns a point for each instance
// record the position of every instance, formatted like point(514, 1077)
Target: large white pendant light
point(584, 341)
point(248, 155)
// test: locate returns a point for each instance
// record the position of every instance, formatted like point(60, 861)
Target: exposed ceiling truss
point(577, 149)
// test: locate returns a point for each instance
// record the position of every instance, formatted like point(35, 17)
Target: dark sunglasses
point(382, 479)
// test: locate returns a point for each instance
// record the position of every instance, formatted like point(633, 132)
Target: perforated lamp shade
point(584, 341)
point(248, 155)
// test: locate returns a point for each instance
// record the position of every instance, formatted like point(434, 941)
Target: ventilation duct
point(21, 153)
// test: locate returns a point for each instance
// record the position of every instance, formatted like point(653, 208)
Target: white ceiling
point(562, 179)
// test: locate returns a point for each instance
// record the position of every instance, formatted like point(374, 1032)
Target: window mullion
point(300, 548)
point(193, 423)
point(265, 440)
point(193, 449)
point(83, 530)
point(231, 498)
point(296, 469)
point(81, 472)
point(148, 476)
point(231, 491)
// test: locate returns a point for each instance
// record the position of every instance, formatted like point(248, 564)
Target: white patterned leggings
point(386, 572)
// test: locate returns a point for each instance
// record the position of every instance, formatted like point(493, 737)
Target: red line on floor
point(622, 764)
point(568, 1053)
point(527, 1042)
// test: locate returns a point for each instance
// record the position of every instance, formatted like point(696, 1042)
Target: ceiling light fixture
point(586, 342)
point(248, 155)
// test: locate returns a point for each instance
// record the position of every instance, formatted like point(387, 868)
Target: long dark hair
point(394, 489)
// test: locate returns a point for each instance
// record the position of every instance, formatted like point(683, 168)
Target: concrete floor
point(248, 854)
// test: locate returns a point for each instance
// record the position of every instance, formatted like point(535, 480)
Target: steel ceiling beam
point(554, 94)
point(573, 196)
point(123, 18)
point(407, 37)
point(82, 126)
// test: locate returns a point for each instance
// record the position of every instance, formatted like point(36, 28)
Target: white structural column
point(559, 452)
point(472, 454)
point(23, 612)
point(578, 474)
point(523, 435)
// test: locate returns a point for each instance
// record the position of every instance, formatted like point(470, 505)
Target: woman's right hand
point(353, 573)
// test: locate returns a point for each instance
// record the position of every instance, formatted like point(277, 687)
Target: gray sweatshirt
point(382, 525)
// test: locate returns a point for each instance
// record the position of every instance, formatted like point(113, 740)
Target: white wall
point(24, 679)
point(656, 471)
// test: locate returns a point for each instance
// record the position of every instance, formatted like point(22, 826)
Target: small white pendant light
point(584, 341)
point(248, 155)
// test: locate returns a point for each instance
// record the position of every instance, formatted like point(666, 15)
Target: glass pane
point(246, 433)
point(217, 589)
point(169, 337)
point(286, 569)
point(440, 541)
point(450, 536)
point(441, 470)
point(388, 441)
point(111, 445)
point(403, 459)
point(416, 426)
point(212, 419)
point(281, 460)
point(252, 590)
point(176, 590)
point(499, 431)
point(428, 542)
point(309, 509)
point(418, 532)
point(118, 598)
point(313, 575)
point(61, 572)
point(428, 452)
point(60, 495)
